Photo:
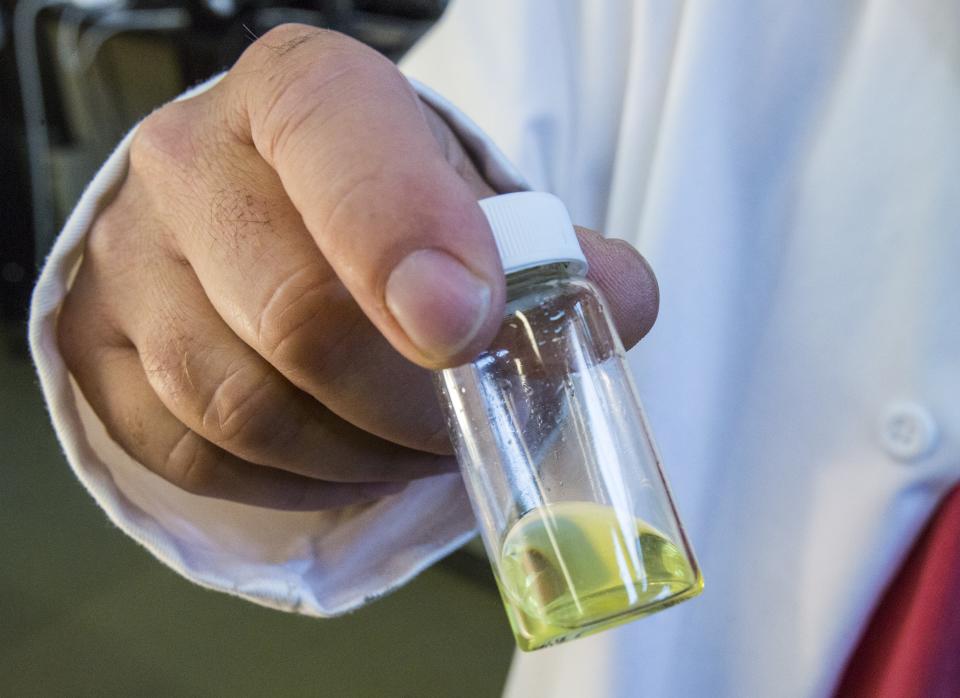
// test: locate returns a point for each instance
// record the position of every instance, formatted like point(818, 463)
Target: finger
point(266, 278)
point(140, 423)
point(264, 275)
point(224, 391)
point(348, 138)
point(113, 381)
point(627, 281)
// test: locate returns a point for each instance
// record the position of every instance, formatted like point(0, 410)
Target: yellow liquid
point(574, 568)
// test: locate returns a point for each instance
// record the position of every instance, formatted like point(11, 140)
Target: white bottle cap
point(533, 229)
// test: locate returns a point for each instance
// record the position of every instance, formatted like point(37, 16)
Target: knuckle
point(289, 310)
point(246, 412)
point(167, 359)
point(164, 139)
point(87, 324)
point(304, 331)
point(279, 46)
point(284, 38)
point(291, 84)
point(110, 236)
point(192, 464)
point(174, 364)
point(134, 228)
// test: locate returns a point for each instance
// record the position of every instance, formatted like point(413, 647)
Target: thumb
point(627, 282)
point(355, 154)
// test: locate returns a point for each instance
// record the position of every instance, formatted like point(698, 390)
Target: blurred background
point(83, 610)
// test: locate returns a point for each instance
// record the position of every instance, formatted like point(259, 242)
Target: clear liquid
point(569, 569)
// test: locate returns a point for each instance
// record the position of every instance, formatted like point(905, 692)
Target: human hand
point(290, 252)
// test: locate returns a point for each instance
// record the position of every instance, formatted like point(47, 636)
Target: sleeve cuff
point(315, 563)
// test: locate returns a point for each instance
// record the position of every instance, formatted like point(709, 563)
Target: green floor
point(86, 612)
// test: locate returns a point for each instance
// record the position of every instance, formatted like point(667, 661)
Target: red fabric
point(911, 649)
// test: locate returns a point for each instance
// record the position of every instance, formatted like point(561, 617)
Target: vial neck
point(519, 281)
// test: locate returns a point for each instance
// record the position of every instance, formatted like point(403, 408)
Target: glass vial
point(559, 464)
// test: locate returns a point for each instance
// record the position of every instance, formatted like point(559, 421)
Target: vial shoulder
point(554, 291)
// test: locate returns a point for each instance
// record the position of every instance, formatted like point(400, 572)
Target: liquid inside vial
point(573, 568)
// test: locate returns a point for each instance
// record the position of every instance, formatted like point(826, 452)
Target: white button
point(908, 431)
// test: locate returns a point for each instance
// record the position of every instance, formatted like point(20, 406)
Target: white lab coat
point(791, 169)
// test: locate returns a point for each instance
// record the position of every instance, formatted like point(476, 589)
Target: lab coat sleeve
point(316, 563)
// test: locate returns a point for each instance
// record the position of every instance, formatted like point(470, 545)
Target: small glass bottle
point(557, 457)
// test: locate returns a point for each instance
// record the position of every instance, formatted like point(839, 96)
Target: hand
point(289, 253)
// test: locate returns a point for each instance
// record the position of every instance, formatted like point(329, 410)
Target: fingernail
point(438, 302)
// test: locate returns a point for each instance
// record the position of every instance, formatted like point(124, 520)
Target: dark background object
point(16, 237)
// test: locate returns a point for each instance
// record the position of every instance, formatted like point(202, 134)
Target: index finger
point(347, 137)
